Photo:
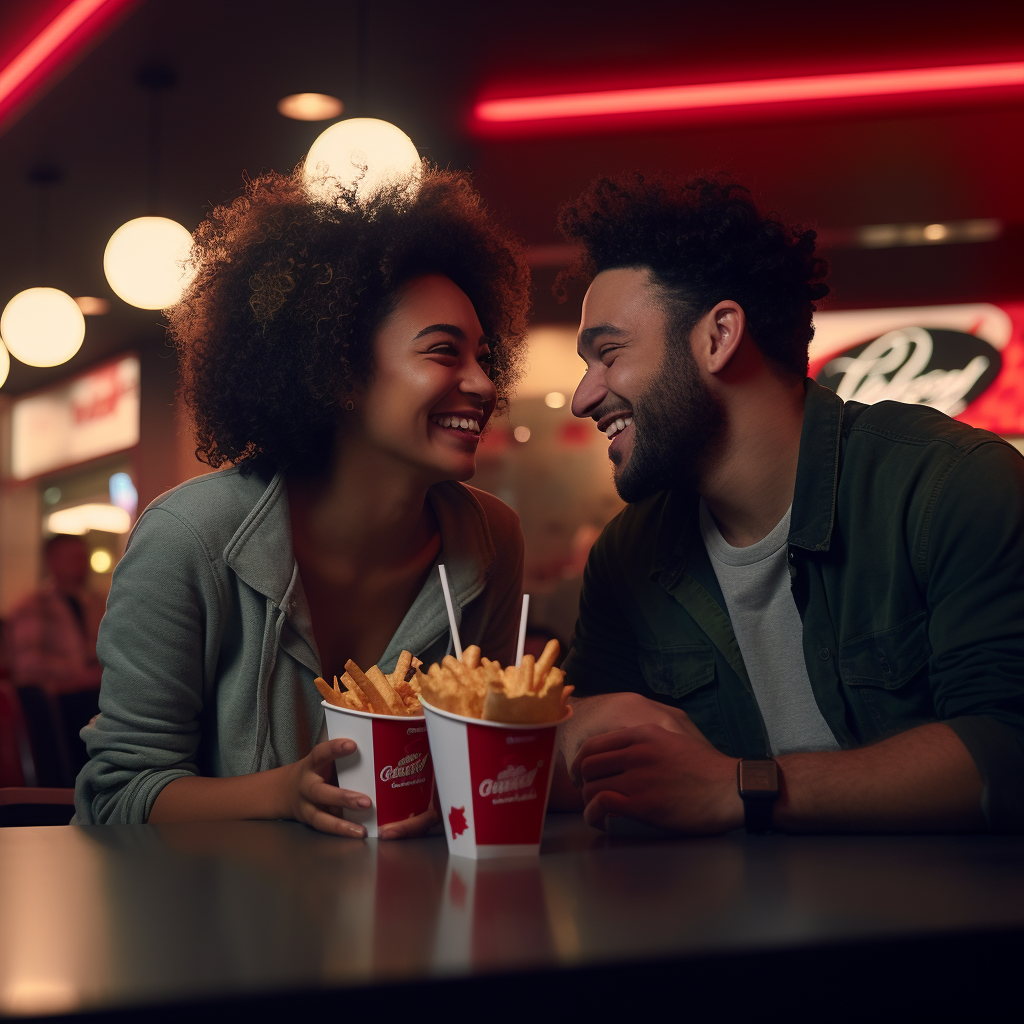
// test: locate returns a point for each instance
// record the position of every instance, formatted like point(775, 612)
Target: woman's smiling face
point(431, 393)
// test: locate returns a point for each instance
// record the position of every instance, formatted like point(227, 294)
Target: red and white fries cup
point(391, 764)
point(494, 779)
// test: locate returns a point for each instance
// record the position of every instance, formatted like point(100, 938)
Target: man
point(809, 616)
point(51, 636)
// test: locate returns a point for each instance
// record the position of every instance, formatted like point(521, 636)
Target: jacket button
point(823, 654)
point(791, 558)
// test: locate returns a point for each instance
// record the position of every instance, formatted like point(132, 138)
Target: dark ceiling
point(425, 63)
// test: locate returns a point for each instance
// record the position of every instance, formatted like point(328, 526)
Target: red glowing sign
point(770, 92)
point(967, 360)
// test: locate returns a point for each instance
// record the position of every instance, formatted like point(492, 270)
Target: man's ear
point(720, 333)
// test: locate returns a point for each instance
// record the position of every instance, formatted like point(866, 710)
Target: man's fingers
point(415, 826)
point(324, 822)
point(606, 802)
point(599, 745)
point(606, 765)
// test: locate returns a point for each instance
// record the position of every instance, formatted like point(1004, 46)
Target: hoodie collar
point(260, 554)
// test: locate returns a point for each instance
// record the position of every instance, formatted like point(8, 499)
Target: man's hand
point(610, 712)
point(673, 778)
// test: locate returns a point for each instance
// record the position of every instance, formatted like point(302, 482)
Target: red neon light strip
point(729, 94)
point(71, 28)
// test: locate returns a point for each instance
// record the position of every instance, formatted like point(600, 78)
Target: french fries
point(374, 691)
point(477, 687)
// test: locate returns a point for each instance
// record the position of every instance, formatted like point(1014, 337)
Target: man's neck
point(750, 485)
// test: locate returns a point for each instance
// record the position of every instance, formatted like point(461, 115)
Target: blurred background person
point(51, 636)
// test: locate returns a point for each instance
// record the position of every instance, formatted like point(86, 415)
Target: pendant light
point(41, 326)
point(361, 154)
point(145, 259)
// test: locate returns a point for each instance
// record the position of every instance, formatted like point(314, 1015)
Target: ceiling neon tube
point(729, 94)
point(66, 33)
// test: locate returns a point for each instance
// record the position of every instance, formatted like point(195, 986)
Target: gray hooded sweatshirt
point(207, 644)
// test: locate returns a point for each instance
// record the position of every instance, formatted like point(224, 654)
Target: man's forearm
point(922, 780)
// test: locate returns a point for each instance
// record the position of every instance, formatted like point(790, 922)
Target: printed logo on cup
point(401, 762)
point(509, 773)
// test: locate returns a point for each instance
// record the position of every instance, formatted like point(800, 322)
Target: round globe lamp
point(42, 326)
point(5, 363)
point(362, 154)
point(145, 262)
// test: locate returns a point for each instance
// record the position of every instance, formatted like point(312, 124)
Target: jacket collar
point(817, 471)
point(814, 496)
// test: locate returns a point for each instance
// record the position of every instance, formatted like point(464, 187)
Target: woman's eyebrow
point(456, 332)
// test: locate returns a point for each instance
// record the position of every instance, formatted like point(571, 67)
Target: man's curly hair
point(704, 240)
point(275, 332)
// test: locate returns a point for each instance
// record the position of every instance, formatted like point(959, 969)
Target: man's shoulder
point(918, 426)
point(633, 535)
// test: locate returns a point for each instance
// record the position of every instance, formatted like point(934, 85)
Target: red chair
point(17, 767)
point(21, 801)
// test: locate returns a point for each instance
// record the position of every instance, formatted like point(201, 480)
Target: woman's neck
point(364, 512)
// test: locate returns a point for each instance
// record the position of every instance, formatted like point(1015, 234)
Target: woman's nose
point(476, 382)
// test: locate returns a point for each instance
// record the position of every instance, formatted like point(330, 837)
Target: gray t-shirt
point(756, 586)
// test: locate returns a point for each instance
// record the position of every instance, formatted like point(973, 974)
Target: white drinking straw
point(522, 630)
point(451, 612)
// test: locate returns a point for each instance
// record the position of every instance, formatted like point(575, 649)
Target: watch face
point(758, 777)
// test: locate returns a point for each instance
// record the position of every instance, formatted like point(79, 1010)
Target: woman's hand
point(316, 801)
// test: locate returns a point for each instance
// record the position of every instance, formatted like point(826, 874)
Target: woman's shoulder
point(472, 504)
point(216, 505)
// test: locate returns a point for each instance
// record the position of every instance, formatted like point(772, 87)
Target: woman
point(344, 358)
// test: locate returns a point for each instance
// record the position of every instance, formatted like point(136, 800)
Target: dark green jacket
point(906, 551)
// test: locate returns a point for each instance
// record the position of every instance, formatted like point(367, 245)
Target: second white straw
point(451, 612)
point(522, 630)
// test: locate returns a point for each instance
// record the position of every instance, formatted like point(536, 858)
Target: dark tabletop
point(135, 916)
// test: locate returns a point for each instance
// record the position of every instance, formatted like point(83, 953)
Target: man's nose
point(589, 394)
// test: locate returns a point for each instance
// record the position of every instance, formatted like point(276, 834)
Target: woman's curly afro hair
point(703, 240)
point(275, 332)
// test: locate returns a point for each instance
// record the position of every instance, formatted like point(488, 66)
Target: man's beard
point(678, 423)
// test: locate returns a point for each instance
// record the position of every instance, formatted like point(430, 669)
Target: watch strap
point(762, 777)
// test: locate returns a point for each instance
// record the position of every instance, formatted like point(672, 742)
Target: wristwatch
point(758, 781)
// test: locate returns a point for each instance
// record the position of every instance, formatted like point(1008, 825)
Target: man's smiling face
point(643, 388)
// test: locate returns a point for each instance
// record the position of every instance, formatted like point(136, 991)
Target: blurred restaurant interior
point(123, 109)
point(163, 108)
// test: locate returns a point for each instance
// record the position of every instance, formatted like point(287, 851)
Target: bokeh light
point(554, 399)
point(101, 560)
point(42, 327)
point(5, 363)
point(92, 305)
point(80, 519)
point(361, 153)
point(310, 106)
point(145, 262)
point(521, 434)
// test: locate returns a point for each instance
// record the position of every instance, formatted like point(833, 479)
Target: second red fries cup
point(391, 764)
point(494, 779)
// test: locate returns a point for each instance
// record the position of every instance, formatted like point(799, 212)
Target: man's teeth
point(618, 426)
point(459, 424)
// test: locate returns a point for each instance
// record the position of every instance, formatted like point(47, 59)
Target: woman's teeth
point(618, 426)
point(472, 426)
